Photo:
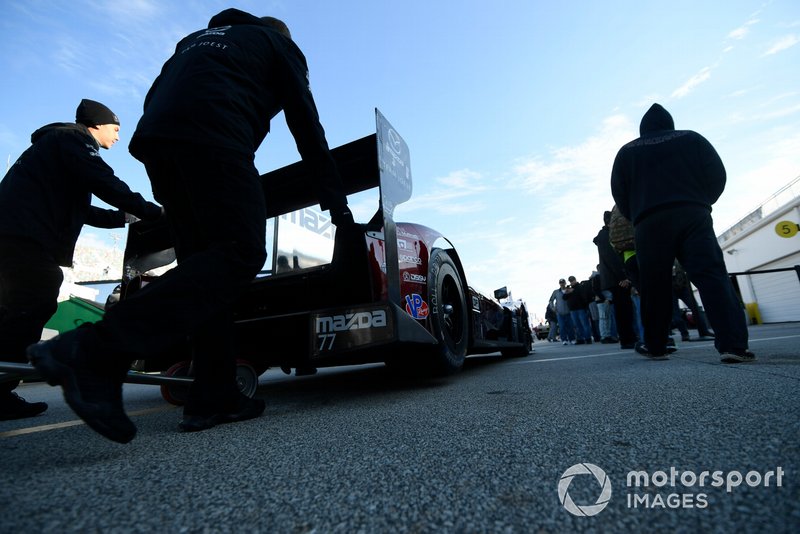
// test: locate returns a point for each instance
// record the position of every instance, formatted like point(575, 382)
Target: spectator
point(682, 289)
point(552, 323)
point(616, 288)
point(565, 327)
point(578, 295)
point(665, 183)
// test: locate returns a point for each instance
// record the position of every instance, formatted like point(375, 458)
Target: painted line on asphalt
point(684, 346)
point(67, 424)
point(571, 357)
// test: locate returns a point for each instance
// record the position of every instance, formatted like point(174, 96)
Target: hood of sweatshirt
point(232, 16)
point(44, 130)
point(655, 120)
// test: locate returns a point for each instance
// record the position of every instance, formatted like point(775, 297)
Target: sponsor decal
point(416, 307)
point(404, 258)
point(311, 220)
point(405, 233)
point(412, 277)
point(349, 329)
point(350, 321)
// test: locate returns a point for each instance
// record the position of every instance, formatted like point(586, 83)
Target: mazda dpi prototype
point(386, 292)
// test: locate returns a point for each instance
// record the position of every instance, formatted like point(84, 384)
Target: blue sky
point(513, 110)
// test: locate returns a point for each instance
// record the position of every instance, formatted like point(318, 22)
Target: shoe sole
point(734, 358)
point(220, 419)
point(58, 374)
point(654, 357)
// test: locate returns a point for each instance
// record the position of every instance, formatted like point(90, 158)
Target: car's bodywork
point(384, 288)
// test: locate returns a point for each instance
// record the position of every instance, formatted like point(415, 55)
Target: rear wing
point(378, 160)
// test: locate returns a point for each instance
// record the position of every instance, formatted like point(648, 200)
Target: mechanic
point(204, 118)
point(665, 182)
point(45, 199)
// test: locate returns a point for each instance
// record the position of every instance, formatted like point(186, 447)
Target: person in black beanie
point(665, 183)
point(205, 117)
point(45, 199)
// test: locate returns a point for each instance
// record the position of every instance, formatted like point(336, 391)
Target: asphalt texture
point(359, 449)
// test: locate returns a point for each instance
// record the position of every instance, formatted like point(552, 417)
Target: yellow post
point(753, 313)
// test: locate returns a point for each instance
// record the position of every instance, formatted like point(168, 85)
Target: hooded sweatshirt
point(222, 87)
point(665, 168)
point(45, 197)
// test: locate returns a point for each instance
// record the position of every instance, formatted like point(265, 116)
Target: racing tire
point(176, 394)
point(519, 352)
point(246, 378)
point(449, 316)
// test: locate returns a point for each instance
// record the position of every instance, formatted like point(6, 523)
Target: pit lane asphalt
point(359, 450)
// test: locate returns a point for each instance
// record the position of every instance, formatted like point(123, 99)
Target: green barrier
point(74, 312)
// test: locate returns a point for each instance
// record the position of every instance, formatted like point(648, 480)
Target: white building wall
point(773, 297)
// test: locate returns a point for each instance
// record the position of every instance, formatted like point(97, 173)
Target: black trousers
point(623, 310)
point(29, 283)
point(686, 233)
point(216, 211)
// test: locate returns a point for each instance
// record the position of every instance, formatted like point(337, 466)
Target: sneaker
point(93, 392)
point(737, 356)
point(565, 343)
point(642, 349)
point(12, 406)
point(573, 342)
point(685, 337)
point(247, 408)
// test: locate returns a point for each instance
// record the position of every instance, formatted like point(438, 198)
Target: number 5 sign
point(787, 229)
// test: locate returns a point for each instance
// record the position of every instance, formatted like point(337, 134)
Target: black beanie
point(91, 113)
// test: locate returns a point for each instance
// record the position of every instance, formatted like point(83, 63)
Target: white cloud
point(782, 44)
point(452, 194)
point(739, 33)
point(542, 226)
point(692, 83)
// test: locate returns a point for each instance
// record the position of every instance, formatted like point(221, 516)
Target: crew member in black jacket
point(45, 199)
point(204, 118)
point(665, 183)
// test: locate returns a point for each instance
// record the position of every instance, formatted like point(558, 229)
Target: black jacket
point(224, 84)
point(665, 167)
point(46, 195)
point(611, 267)
point(580, 297)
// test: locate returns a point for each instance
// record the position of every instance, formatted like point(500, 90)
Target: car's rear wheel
point(448, 314)
point(246, 378)
point(519, 352)
point(176, 394)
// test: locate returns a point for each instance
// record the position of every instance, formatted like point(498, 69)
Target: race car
point(385, 291)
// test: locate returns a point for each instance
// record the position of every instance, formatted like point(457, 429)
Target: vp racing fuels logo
point(566, 480)
point(416, 307)
point(350, 329)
